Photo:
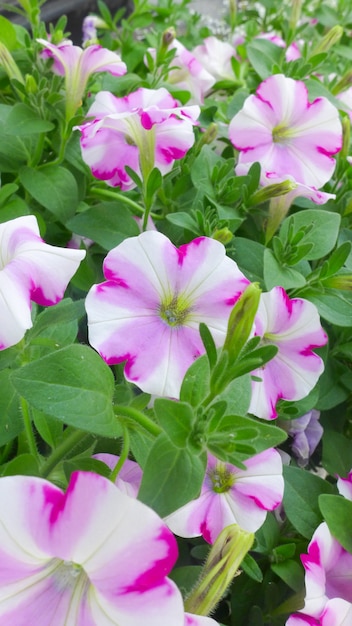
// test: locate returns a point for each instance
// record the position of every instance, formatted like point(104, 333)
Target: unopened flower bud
point(220, 568)
point(168, 37)
point(344, 83)
point(331, 38)
point(31, 84)
point(9, 65)
point(272, 191)
point(339, 281)
point(241, 320)
point(224, 235)
point(346, 136)
point(296, 6)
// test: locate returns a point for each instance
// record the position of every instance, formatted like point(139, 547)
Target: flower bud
point(31, 84)
point(224, 235)
point(332, 37)
point(346, 136)
point(168, 37)
point(272, 191)
point(241, 320)
point(344, 83)
point(220, 568)
point(296, 7)
point(9, 65)
point(339, 281)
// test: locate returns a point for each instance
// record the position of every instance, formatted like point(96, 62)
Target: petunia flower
point(292, 51)
point(148, 310)
point(344, 486)
point(188, 73)
point(328, 572)
point(306, 432)
point(92, 556)
point(30, 269)
point(77, 65)
point(215, 56)
point(230, 495)
point(143, 130)
point(288, 135)
point(199, 620)
point(130, 475)
point(293, 325)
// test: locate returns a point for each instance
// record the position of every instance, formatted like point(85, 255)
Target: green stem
point(76, 437)
point(32, 446)
point(139, 417)
point(115, 195)
point(123, 456)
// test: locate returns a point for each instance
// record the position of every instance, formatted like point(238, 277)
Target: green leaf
point(333, 305)
point(195, 385)
point(337, 512)
point(183, 220)
point(337, 453)
point(209, 344)
point(302, 490)
point(11, 423)
point(24, 464)
point(62, 313)
point(8, 33)
point(322, 230)
point(73, 385)
point(24, 121)
point(107, 224)
point(54, 187)
point(237, 395)
point(49, 428)
point(263, 55)
point(252, 569)
point(171, 478)
point(291, 573)
point(275, 273)
point(176, 418)
point(250, 258)
point(235, 438)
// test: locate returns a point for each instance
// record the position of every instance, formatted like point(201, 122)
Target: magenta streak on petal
point(328, 153)
point(172, 153)
point(260, 504)
point(182, 251)
point(114, 360)
point(260, 97)
point(146, 121)
point(205, 532)
point(155, 576)
point(113, 279)
point(55, 500)
point(37, 296)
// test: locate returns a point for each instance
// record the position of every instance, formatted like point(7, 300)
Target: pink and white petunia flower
point(148, 311)
point(292, 51)
point(77, 65)
point(230, 495)
point(344, 486)
point(215, 56)
point(30, 270)
point(328, 572)
point(188, 73)
point(293, 325)
point(130, 475)
point(92, 556)
point(279, 128)
point(143, 130)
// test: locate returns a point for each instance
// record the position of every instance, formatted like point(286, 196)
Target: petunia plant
point(176, 316)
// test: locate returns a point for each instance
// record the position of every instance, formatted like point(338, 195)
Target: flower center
point(174, 312)
point(221, 477)
point(69, 575)
point(282, 134)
